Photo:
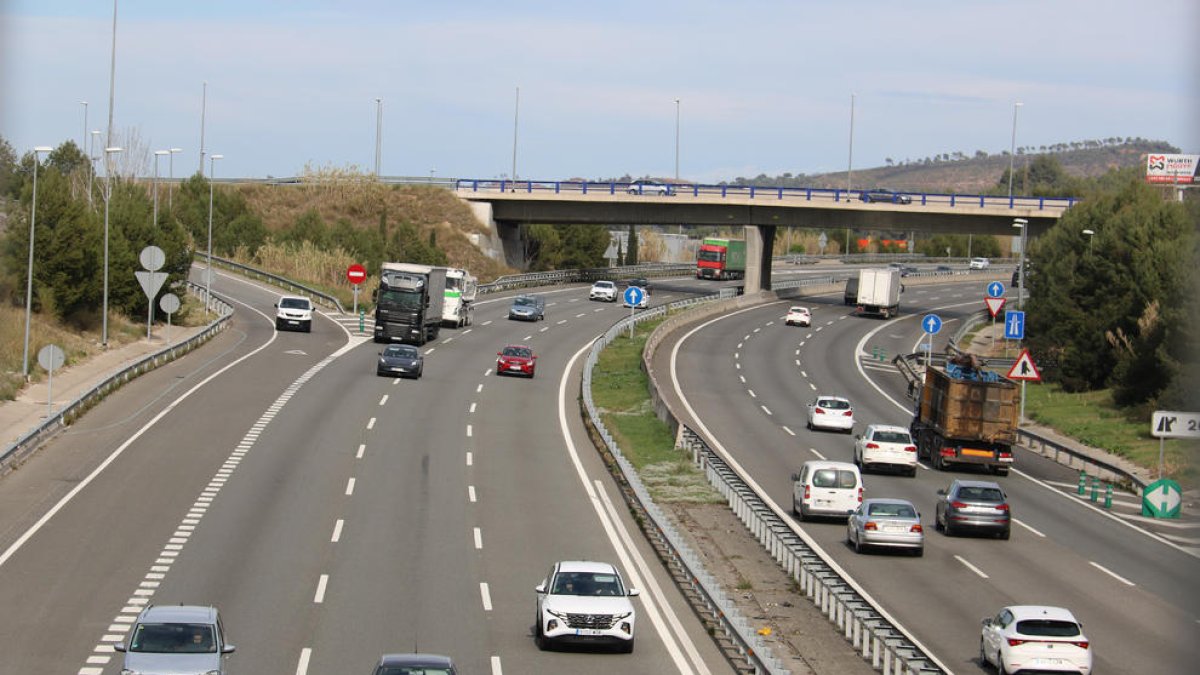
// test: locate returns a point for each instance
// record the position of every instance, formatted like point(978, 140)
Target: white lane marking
point(736, 355)
point(337, 531)
point(468, 431)
point(624, 553)
point(371, 423)
point(472, 409)
point(739, 345)
point(770, 323)
point(350, 487)
point(742, 378)
point(448, 340)
point(581, 315)
point(818, 330)
point(467, 331)
point(470, 458)
point(305, 656)
point(812, 386)
point(485, 323)
point(559, 322)
point(478, 539)
point(738, 366)
point(789, 431)
point(496, 669)
point(746, 336)
point(798, 363)
point(752, 394)
point(815, 452)
point(1111, 573)
point(803, 373)
point(480, 387)
point(471, 493)
point(797, 352)
point(807, 337)
point(1028, 527)
point(429, 351)
point(766, 409)
point(971, 567)
point(757, 329)
point(383, 400)
point(362, 447)
point(321, 584)
point(543, 330)
point(801, 344)
point(486, 595)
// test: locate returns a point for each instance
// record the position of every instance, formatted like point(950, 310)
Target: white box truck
point(879, 292)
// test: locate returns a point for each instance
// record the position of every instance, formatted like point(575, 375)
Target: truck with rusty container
point(966, 415)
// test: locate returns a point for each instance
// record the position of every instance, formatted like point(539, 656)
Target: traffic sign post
point(51, 357)
point(633, 297)
point(931, 324)
point(1162, 499)
point(169, 304)
point(994, 304)
point(356, 274)
point(152, 259)
point(1014, 325)
point(1166, 424)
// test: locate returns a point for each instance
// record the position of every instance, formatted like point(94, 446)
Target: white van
point(822, 488)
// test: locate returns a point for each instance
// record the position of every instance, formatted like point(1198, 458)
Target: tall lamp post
point(157, 154)
point(108, 153)
point(516, 118)
point(1012, 149)
point(378, 134)
point(1021, 271)
point(676, 140)
point(83, 147)
point(171, 178)
point(29, 272)
point(1090, 235)
point(208, 272)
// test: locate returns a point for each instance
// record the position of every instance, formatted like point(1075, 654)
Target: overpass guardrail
point(753, 192)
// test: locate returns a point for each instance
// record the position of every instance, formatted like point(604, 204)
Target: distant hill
point(958, 173)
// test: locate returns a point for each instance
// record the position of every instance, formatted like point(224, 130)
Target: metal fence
point(29, 442)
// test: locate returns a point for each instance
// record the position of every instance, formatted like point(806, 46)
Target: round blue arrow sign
point(633, 295)
point(931, 323)
point(995, 290)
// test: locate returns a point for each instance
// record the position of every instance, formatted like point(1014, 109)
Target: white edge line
point(1111, 573)
point(969, 566)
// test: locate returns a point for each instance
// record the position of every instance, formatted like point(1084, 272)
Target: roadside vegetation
point(620, 390)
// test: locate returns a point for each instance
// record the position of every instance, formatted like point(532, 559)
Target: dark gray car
point(975, 506)
point(176, 640)
point(410, 664)
point(528, 308)
point(401, 361)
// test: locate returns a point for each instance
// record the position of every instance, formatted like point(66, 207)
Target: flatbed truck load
point(720, 258)
point(966, 415)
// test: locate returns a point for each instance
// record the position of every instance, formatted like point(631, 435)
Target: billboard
point(1164, 168)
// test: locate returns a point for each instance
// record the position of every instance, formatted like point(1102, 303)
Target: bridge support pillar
point(759, 239)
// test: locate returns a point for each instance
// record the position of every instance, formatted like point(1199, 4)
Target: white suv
point(979, 264)
point(884, 445)
point(603, 290)
point(584, 602)
point(293, 311)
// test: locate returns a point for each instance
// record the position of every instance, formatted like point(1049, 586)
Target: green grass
point(621, 392)
point(1093, 419)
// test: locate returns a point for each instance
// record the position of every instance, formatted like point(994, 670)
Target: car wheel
point(937, 523)
point(912, 472)
point(947, 528)
point(308, 327)
point(1005, 535)
point(919, 552)
point(983, 659)
point(858, 547)
point(543, 643)
point(802, 513)
point(627, 647)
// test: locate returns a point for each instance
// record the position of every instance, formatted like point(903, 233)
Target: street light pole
point(208, 272)
point(516, 117)
point(108, 153)
point(29, 271)
point(92, 160)
point(676, 140)
point(378, 134)
point(1012, 149)
point(1022, 273)
point(157, 154)
point(850, 160)
point(1090, 234)
point(83, 147)
point(171, 179)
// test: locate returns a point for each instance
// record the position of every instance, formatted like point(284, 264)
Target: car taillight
point(818, 411)
point(872, 446)
point(916, 528)
point(848, 413)
point(806, 492)
point(1002, 507)
point(870, 526)
point(1005, 455)
point(910, 448)
point(958, 505)
point(860, 495)
point(1014, 642)
point(1082, 644)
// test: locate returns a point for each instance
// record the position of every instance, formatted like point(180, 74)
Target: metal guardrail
point(835, 195)
point(283, 282)
point(29, 442)
point(512, 281)
point(708, 589)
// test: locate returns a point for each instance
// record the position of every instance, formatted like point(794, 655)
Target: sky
point(762, 87)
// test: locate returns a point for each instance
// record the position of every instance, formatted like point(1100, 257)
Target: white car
point(979, 264)
point(584, 603)
point(883, 445)
point(1035, 638)
point(293, 311)
point(603, 290)
point(798, 316)
point(831, 412)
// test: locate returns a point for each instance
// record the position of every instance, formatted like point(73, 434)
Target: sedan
point(401, 361)
point(798, 316)
point(831, 412)
point(974, 505)
point(1035, 638)
point(891, 523)
point(883, 445)
point(409, 664)
point(516, 360)
point(650, 187)
point(884, 195)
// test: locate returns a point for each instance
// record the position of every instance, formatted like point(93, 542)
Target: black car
point(850, 297)
point(401, 361)
point(641, 283)
point(406, 664)
point(884, 195)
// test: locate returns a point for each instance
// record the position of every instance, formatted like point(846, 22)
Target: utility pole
point(203, 109)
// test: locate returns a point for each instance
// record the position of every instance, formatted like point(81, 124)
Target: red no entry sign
point(356, 274)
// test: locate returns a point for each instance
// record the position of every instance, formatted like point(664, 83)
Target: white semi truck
point(459, 305)
point(879, 292)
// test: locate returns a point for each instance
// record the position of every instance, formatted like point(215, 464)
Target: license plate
point(895, 528)
point(514, 367)
point(292, 321)
point(1047, 662)
point(588, 631)
point(977, 453)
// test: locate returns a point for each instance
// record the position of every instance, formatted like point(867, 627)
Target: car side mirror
point(858, 437)
point(540, 588)
point(228, 649)
point(276, 305)
point(120, 647)
point(795, 477)
point(633, 592)
point(381, 353)
point(535, 357)
point(987, 621)
point(499, 354)
point(942, 493)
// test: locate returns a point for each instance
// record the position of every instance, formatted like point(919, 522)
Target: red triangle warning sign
point(994, 305)
point(1023, 368)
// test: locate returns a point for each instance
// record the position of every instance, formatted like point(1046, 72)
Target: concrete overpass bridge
point(508, 204)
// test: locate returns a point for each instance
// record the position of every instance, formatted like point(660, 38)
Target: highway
point(748, 378)
point(332, 515)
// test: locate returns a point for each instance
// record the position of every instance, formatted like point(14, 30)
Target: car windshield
point(401, 352)
point(891, 437)
point(980, 494)
point(587, 583)
point(799, 310)
point(604, 284)
point(522, 352)
point(294, 303)
point(833, 478)
point(893, 510)
point(524, 302)
point(711, 256)
point(1048, 628)
point(402, 300)
point(173, 638)
point(833, 404)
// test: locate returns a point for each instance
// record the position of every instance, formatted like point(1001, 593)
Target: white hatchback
point(1035, 638)
point(798, 316)
point(831, 412)
point(882, 445)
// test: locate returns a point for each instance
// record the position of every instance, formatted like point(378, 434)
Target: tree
point(10, 182)
point(631, 253)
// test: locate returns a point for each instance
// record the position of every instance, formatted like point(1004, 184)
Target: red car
point(516, 360)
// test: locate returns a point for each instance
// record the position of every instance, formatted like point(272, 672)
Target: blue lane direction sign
point(995, 289)
point(1014, 325)
point(931, 324)
point(634, 295)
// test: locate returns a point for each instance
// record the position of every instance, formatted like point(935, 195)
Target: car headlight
point(557, 615)
point(618, 617)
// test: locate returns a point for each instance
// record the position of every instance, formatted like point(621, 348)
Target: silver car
point(890, 523)
point(973, 505)
point(176, 640)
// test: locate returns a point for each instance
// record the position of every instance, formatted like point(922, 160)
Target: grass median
point(621, 392)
